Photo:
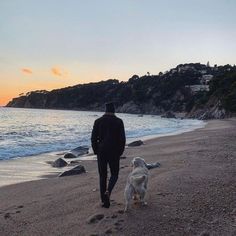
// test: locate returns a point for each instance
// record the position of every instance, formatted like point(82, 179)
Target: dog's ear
point(145, 164)
point(135, 162)
point(132, 162)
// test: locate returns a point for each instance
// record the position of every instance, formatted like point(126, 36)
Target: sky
point(51, 44)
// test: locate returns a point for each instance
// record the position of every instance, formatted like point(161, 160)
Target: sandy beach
point(192, 193)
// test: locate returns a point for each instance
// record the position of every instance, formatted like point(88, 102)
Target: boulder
point(74, 171)
point(59, 163)
point(69, 155)
point(79, 151)
point(135, 143)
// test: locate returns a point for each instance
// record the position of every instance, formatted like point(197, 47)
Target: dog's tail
point(138, 179)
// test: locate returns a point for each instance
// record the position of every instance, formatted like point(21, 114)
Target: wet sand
point(192, 193)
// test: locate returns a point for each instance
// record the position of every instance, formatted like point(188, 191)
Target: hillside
point(196, 89)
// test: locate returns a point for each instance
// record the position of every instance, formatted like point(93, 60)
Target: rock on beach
point(74, 171)
point(76, 152)
point(135, 143)
point(59, 163)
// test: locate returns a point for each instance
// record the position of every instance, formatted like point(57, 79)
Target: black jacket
point(108, 136)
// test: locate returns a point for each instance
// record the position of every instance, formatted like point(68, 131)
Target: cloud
point(56, 71)
point(26, 71)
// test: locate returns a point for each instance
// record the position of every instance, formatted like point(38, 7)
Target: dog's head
point(138, 162)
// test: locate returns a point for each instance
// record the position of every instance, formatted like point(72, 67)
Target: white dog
point(137, 182)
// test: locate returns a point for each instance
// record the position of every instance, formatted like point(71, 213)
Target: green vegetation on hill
point(182, 89)
point(224, 88)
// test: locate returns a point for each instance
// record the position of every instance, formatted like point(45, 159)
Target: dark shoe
point(106, 202)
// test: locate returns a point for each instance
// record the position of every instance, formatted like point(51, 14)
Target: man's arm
point(94, 138)
point(122, 138)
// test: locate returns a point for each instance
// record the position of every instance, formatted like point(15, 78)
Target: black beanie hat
point(110, 107)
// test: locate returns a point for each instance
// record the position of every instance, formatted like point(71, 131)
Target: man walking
point(108, 143)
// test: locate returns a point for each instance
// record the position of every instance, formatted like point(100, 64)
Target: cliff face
point(190, 88)
point(212, 110)
point(36, 99)
point(220, 101)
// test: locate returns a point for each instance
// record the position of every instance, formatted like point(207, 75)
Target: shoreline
point(19, 169)
point(154, 128)
point(192, 193)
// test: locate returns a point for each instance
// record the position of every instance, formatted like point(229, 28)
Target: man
point(108, 143)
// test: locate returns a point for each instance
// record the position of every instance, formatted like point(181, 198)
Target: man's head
point(110, 108)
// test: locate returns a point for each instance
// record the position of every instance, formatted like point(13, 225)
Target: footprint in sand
point(121, 220)
point(7, 215)
point(95, 218)
point(113, 202)
point(114, 216)
point(120, 211)
point(109, 231)
point(122, 167)
point(117, 224)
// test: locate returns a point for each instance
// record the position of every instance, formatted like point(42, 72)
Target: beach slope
point(192, 193)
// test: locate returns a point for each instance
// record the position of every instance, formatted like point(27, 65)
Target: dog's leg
point(128, 196)
point(142, 195)
point(135, 196)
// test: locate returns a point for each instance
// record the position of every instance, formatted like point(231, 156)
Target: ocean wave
point(51, 130)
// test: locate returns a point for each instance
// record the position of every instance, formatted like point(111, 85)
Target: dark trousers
point(114, 165)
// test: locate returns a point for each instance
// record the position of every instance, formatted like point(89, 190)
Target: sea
point(28, 132)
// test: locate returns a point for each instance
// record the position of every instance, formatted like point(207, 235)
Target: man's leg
point(102, 169)
point(114, 165)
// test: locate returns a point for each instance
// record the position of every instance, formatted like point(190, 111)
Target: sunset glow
point(55, 44)
point(26, 71)
point(59, 72)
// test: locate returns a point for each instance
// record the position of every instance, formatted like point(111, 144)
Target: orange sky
point(25, 79)
point(44, 45)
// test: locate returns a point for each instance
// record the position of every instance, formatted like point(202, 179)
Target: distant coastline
point(192, 89)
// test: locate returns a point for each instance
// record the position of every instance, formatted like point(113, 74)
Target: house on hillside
point(205, 79)
point(203, 71)
point(197, 88)
point(183, 68)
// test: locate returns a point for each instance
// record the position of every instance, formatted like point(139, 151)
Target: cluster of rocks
point(74, 153)
point(79, 151)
